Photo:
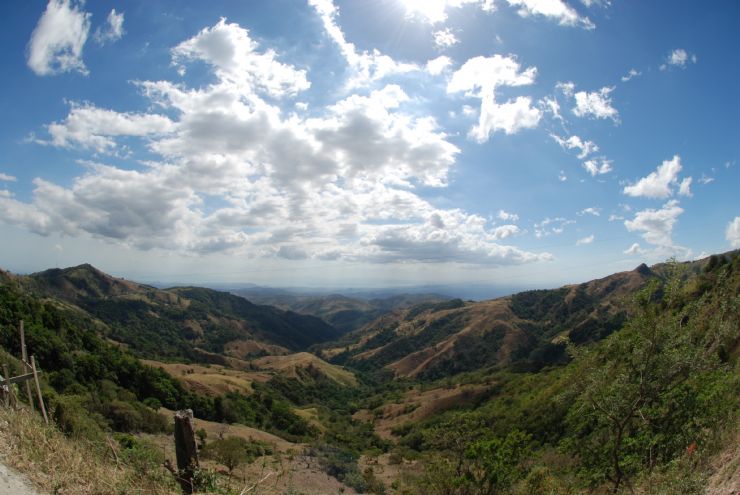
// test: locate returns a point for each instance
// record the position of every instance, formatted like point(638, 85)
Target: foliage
point(234, 451)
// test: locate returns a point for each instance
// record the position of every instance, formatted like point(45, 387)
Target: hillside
point(185, 322)
point(342, 312)
point(526, 331)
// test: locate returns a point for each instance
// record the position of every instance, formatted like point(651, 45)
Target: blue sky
point(376, 143)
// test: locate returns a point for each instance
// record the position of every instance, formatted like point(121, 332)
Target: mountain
point(184, 322)
point(525, 331)
point(342, 312)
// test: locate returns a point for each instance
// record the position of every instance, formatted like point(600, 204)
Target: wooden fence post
point(185, 449)
point(38, 389)
point(26, 368)
point(10, 396)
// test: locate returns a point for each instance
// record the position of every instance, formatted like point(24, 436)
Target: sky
point(372, 143)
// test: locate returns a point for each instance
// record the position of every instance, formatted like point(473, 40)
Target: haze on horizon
point(386, 143)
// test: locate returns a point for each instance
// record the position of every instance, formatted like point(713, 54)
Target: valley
point(413, 395)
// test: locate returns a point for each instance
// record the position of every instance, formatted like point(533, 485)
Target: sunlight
point(432, 11)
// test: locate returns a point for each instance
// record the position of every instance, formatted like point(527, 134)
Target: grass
point(60, 465)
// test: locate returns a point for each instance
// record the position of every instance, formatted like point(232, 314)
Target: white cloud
point(614, 218)
point(678, 58)
point(112, 30)
point(562, 177)
point(438, 65)
point(229, 172)
point(233, 55)
point(445, 38)
point(658, 184)
point(479, 77)
point(585, 147)
point(94, 128)
point(705, 179)
point(631, 75)
point(435, 11)
point(57, 41)
point(634, 249)
point(598, 166)
point(656, 225)
point(597, 104)
point(550, 226)
point(685, 188)
point(585, 240)
point(567, 88)
point(504, 231)
point(7, 178)
point(590, 211)
point(732, 233)
point(366, 66)
point(507, 217)
point(554, 9)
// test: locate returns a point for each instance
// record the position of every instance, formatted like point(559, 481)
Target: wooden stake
point(38, 389)
point(185, 449)
point(26, 368)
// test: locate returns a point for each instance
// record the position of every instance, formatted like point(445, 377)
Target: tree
point(634, 394)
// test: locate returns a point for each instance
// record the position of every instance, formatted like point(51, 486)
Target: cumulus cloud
point(227, 171)
point(659, 184)
point(445, 38)
point(732, 233)
point(597, 166)
point(684, 189)
point(112, 30)
point(634, 249)
point(656, 225)
point(596, 104)
point(479, 77)
point(7, 178)
point(585, 240)
point(678, 58)
point(95, 128)
point(234, 56)
point(57, 41)
point(438, 65)
point(553, 9)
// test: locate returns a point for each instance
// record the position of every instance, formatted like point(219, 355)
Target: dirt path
point(14, 483)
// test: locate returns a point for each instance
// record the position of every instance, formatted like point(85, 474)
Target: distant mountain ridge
point(525, 331)
point(185, 322)
point(342, 312)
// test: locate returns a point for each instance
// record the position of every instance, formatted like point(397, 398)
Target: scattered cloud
point(634, 249)
point(705, 179)
point(7, 178)
point(368, 66)
point(550, 226)
point(585, 240)
point(57, 41)
point(445, 38)
point(507, 217)
point(228, 171)
point(732, 233)
point(590, 211)
point(597, 104)
point(598, 166)
point(631, 75)
point(659, 184)
point(562, 177)
point(112, 30)
point(553, 9)
point(479, 77)
point(584, 147)
point(678, 58)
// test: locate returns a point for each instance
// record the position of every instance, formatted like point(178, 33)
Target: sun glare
point(429, 10)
